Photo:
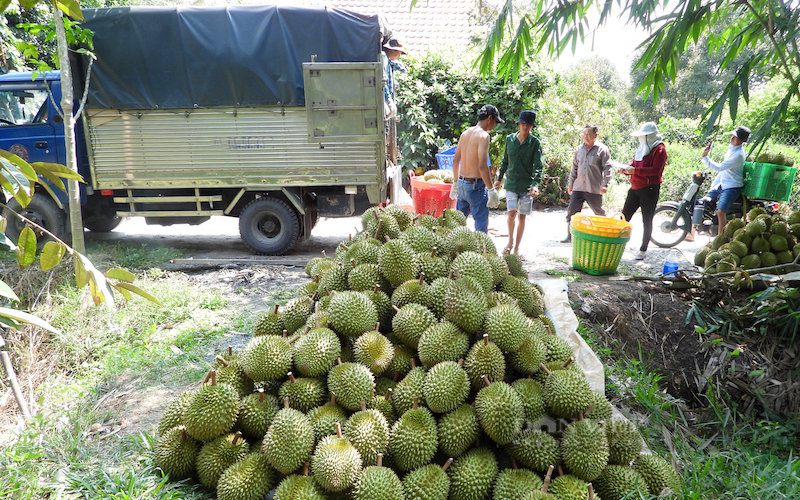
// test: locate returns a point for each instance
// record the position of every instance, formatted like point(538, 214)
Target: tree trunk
point(75, 218)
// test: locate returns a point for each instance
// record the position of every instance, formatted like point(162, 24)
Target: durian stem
point(450, 274)
point(547, 479)
point(396, 309)
point(339, 430)
point(413, 363)
point(560, 470)
point(378, 326)
point(380, 459)
point(485, 339)
point(461, 362)
point(415, 403)
point(237, 437)
point(293, 339)
point(421, 278)
point(544, 369)
point(353, 263)
point(433, 252)
point(208, 377)
point(285, 333)
point(378, 229)
point(291, 377)
point(447, 464)
point(591, 491)
point(324, 256)
point(549, 331)
point(375, 213)
point(261, 395)
point(568, 362)
point(514, 464)
point(308, 329)
point(286, 402)
point(184, 437)
point(221, 360)
point(333, 399)
point(388, 394)
point(443, 219)
point(486, 380)
point(589, 409)
point(339, 360)
point(580, 415)
point(458, 274)
point(230, 348)
point(363, 405)
point(377, 287)
point(213, 377)
point(386, 238)
point(275, 311)
point(305, 468)
point(316, 280)
point(346, 248)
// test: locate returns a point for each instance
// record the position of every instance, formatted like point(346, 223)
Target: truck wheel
point(101, 223)
point(43, 211)
point(269, 226)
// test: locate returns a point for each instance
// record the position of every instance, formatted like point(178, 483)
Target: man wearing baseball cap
point(522, 167)
point(471, 173)
point(727, 185)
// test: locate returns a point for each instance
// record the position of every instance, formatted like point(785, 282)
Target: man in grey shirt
point(588, 180)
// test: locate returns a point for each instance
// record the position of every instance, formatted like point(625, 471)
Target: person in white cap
point(645, 172)
point(727, 185)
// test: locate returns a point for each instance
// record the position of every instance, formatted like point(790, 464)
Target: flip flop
point(507, 250)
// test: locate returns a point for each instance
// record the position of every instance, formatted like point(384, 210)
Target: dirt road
point(541, 248)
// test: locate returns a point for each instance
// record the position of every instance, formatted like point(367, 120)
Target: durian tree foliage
point(768, 30)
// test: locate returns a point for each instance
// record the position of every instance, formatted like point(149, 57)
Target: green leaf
point(7, 292)
point(58, 170)
point(736, 352)
point(23, 166)
point(9, 323)
point(81, 275)
point(26, 248)
point(755, 373)
point(70, 8)
point(125, 293)
point(99, 286)
point(120, 274)
point(52, 194)
point(52, 254)
point(24, 317)
point(135, 289)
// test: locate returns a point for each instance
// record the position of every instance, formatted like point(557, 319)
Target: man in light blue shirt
point(727, 185)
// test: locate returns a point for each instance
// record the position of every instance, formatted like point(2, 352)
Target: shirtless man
point(471, 171)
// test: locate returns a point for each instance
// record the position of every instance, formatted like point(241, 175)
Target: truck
point(271, 114)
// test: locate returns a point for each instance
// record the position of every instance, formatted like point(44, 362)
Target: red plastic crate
point(430, 198)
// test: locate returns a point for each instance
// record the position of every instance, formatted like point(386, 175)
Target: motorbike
point(673, 220)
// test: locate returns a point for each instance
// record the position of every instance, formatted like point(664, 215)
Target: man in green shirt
point(522, 168)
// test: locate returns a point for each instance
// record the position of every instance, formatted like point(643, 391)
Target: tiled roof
point(430, 25)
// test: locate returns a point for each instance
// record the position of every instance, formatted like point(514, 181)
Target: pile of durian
point(757, 241)
point(438, 176)
point(417, 364)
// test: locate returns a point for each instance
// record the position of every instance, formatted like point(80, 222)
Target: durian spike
point(222, 361)
point(547, 479)
point(353, 263)
point(275, 311)
point(363, 405)
point(339, 360)
point(333, 399)
point(378, 229)
point(286, 402)
point(388, 393)
point(421, 278)
point(447, 464)
point(485, 339)
point(396, 309)
point(415, 403)
point(237, 437)
point(380, 459)
point(591, 491)
point(305, 469)
point(213, 377)
point(261, 395)
point(514, 464)
point(339, 430)
point(293, 339)
point(568, 362)
point(291, 377)
point(486, 380)
point(544, 368)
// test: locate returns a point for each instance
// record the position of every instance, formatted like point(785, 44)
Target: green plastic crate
point(767, 181)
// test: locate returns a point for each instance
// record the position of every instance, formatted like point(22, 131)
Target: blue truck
point(193, 112)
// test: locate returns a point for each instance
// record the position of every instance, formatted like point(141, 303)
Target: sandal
point(507, 250)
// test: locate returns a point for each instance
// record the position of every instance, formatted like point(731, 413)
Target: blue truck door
point(28, 122)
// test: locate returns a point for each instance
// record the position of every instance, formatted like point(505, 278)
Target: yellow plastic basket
point(598, 255)
point(610, 227)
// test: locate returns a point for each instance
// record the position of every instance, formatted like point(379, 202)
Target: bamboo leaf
point(7, 292)
point(52, 254)
point(120, 274)
point(135, 289)
point(26, 247)
point(24, 317)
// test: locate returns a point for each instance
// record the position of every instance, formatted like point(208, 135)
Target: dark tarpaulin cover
point(182, 57)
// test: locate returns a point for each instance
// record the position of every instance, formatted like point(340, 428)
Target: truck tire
point(98, 223)
point(269, 226)
point(41, 210)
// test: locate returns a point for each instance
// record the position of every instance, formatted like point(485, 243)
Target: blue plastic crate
point(445, 159)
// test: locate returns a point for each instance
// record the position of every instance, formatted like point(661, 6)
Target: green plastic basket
point(598, 255)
